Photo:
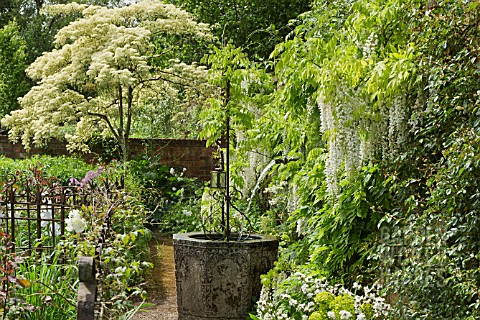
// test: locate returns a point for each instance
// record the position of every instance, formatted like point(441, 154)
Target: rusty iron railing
point(33, 210)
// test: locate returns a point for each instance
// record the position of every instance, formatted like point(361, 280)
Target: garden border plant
point(121, 261)
point(172, 199)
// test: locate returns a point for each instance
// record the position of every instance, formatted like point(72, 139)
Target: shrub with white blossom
point(107, 67)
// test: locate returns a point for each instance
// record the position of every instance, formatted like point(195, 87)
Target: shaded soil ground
point(160, 282)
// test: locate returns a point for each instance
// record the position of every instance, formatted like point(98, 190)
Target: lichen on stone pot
point(217, 279)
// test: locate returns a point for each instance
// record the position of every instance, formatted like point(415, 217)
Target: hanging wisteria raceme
point(397, 123)
point(342, 127)
point(355, 133)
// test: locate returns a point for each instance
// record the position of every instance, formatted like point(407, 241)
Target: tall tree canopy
point(28, 32)
point(255, 25)
point(105, 67)
point(13, 61)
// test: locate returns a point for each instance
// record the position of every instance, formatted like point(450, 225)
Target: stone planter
point(218, 279)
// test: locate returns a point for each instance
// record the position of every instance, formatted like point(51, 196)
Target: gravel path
point(160, 282)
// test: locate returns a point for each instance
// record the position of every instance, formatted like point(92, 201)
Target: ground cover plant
point(306, 294)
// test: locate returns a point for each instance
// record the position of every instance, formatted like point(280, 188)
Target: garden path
point(160, 282)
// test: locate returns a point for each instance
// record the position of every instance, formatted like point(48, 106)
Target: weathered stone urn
point(217, 279)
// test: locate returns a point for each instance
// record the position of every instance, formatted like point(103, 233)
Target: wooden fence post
point(87, 289)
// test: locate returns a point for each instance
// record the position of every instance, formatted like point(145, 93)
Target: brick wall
point(189, 154)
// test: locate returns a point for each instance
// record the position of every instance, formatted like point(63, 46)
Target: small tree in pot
point(218, 273)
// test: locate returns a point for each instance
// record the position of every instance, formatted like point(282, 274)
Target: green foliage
point(323, 300)
point(283, 124)
point(13, 62)
point(244, 89)
point(180, 216)
point(167, 119)
point(255, 25)
point(10, 283)
point(52, 284)
point(357, 144)
point(430, 239)
point(62, 168)
point(173, 200)
point(342, 303)
point(371, 121)
point(7, 12)
point(109, 149)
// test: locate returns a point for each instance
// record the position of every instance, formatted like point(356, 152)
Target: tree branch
point(105, 118)
point(129, 112)
point(120, 111)
point(188, 83)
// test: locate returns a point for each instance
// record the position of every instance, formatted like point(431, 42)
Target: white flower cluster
point(397, 120)
point(75, 222)
point(352, 139)
point(258, 160)
point(296, 293)
point(342, 127)
point(370, 45)
point(283, 195)
point(247, 80)
point(277, 193)
point(245, 84)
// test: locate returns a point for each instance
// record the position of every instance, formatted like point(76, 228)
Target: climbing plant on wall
point(372, 122)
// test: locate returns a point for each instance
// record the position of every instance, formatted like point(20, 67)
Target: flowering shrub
point(309, 296)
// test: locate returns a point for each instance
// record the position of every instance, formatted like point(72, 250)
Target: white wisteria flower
point(75, 223)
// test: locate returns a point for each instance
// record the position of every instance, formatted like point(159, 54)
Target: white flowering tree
point(106, 66)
